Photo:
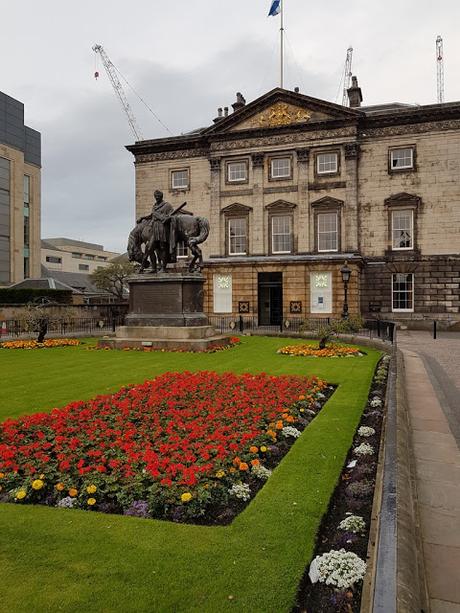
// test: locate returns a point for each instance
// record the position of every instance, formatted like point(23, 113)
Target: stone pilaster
point(217, 224)
point(303, 219)
point(258, 225)
point(350, 232)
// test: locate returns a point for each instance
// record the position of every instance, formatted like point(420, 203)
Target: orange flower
point(232, 470)
point(271, 433)
point(73, 492)
point(255, 462)
point(290, 419)
point(237, 461)
point(243, 466)
point(253, 449)
point(279, 425)
point(301, 397)
point(284, 416)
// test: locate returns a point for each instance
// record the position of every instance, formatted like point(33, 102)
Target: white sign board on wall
point(321, 292)
point(222, 286)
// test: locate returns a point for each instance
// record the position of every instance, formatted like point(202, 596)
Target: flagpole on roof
point(282, 45)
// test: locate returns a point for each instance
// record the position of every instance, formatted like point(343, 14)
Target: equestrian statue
point(156, 236)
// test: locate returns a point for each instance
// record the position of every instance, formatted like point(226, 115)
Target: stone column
point(350, 221)
point(258, 228)
point(303, 214)
point(216, 242)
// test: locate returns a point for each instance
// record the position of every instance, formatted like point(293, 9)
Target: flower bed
point(29, 344)
point(185, 446)
point(333, 351)
point(333, 582)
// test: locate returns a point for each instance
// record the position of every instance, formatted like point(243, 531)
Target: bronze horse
point(187, 229)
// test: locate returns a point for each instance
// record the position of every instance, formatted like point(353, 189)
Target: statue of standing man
point(162, 230)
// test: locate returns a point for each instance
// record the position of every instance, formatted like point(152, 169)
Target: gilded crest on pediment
point(280, 114)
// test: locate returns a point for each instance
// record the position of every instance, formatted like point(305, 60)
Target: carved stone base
point(166, 312)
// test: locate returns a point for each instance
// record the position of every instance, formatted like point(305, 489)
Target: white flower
point(353, 523)
point(320, 395)
point(240, 490)
point(341, 569)
point(364, 449)
point(366, 431)
point(67, 502)
point(261, 472)
point(376, 402)
point(290, 431)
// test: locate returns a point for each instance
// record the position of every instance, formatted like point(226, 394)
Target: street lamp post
point(345, 271)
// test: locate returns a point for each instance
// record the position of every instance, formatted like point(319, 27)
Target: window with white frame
point(321, 292)
point(327, 231)
point(237, 171)
point(281, 233)
point(402, 292)
point(179, 179)
point(327, 163)
point(402, 159)
point(402, 229)
point(182, 250)
point(280, 168)
point(222, 290)
point(237, 236)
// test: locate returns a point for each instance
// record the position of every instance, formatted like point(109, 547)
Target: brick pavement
point(432, 369)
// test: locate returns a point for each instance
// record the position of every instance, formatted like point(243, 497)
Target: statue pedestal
point(166, 312)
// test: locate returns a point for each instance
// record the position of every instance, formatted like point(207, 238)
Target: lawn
point(61, 560)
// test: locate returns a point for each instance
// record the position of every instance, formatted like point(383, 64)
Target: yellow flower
point(186, 497)
point(59, 486)
point(91, 501)
point(42, 476)
point(263, 449)
point(220, 474)
point(73, 492)
point(91, 489)
point(37, 484)
point(21, 494)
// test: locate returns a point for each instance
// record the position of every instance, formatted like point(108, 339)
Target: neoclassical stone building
point(294, 186)
point(20, 173)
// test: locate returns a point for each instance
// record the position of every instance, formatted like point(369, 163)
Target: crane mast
point(440, 68)
point(112, 74)
point(347, 76)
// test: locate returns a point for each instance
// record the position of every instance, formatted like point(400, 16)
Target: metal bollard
point(434, 329)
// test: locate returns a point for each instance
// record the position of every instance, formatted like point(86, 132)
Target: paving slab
point(432, 374)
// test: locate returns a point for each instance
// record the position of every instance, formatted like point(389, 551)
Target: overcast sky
point(186, 58)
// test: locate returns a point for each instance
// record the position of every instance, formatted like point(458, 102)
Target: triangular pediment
point(327, 201)
point(280, 205)
point(403, 198)
point(236, 209)
point(281, 108)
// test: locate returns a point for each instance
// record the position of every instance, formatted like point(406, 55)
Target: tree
point(112, 278)
point(340, 326)
point(38, 316)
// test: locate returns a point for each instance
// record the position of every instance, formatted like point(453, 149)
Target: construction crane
point(440, 68)
point(347, 76)
point(112, 74)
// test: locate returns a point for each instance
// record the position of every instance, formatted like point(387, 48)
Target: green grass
point(60, 560)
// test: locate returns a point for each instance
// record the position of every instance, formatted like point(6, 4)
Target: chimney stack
point(240, 102)
point(355, 95)
point(225, 111)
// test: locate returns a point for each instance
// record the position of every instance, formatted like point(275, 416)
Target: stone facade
point(294, 186)
point(20, 189)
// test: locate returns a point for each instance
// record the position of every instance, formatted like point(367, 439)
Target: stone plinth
point(166, 312)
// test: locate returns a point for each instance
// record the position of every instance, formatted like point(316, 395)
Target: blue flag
point(275, 8)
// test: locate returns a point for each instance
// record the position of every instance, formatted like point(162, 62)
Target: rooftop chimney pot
point(240, 102)
point(355, 95)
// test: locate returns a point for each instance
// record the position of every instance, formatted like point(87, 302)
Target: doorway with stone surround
point(270, 298)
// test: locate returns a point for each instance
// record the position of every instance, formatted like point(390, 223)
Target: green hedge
point(24, 295)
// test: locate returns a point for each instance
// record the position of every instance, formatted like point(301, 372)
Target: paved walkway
point(433, 389)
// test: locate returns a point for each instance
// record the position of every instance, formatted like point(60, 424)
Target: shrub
point(340, 569)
